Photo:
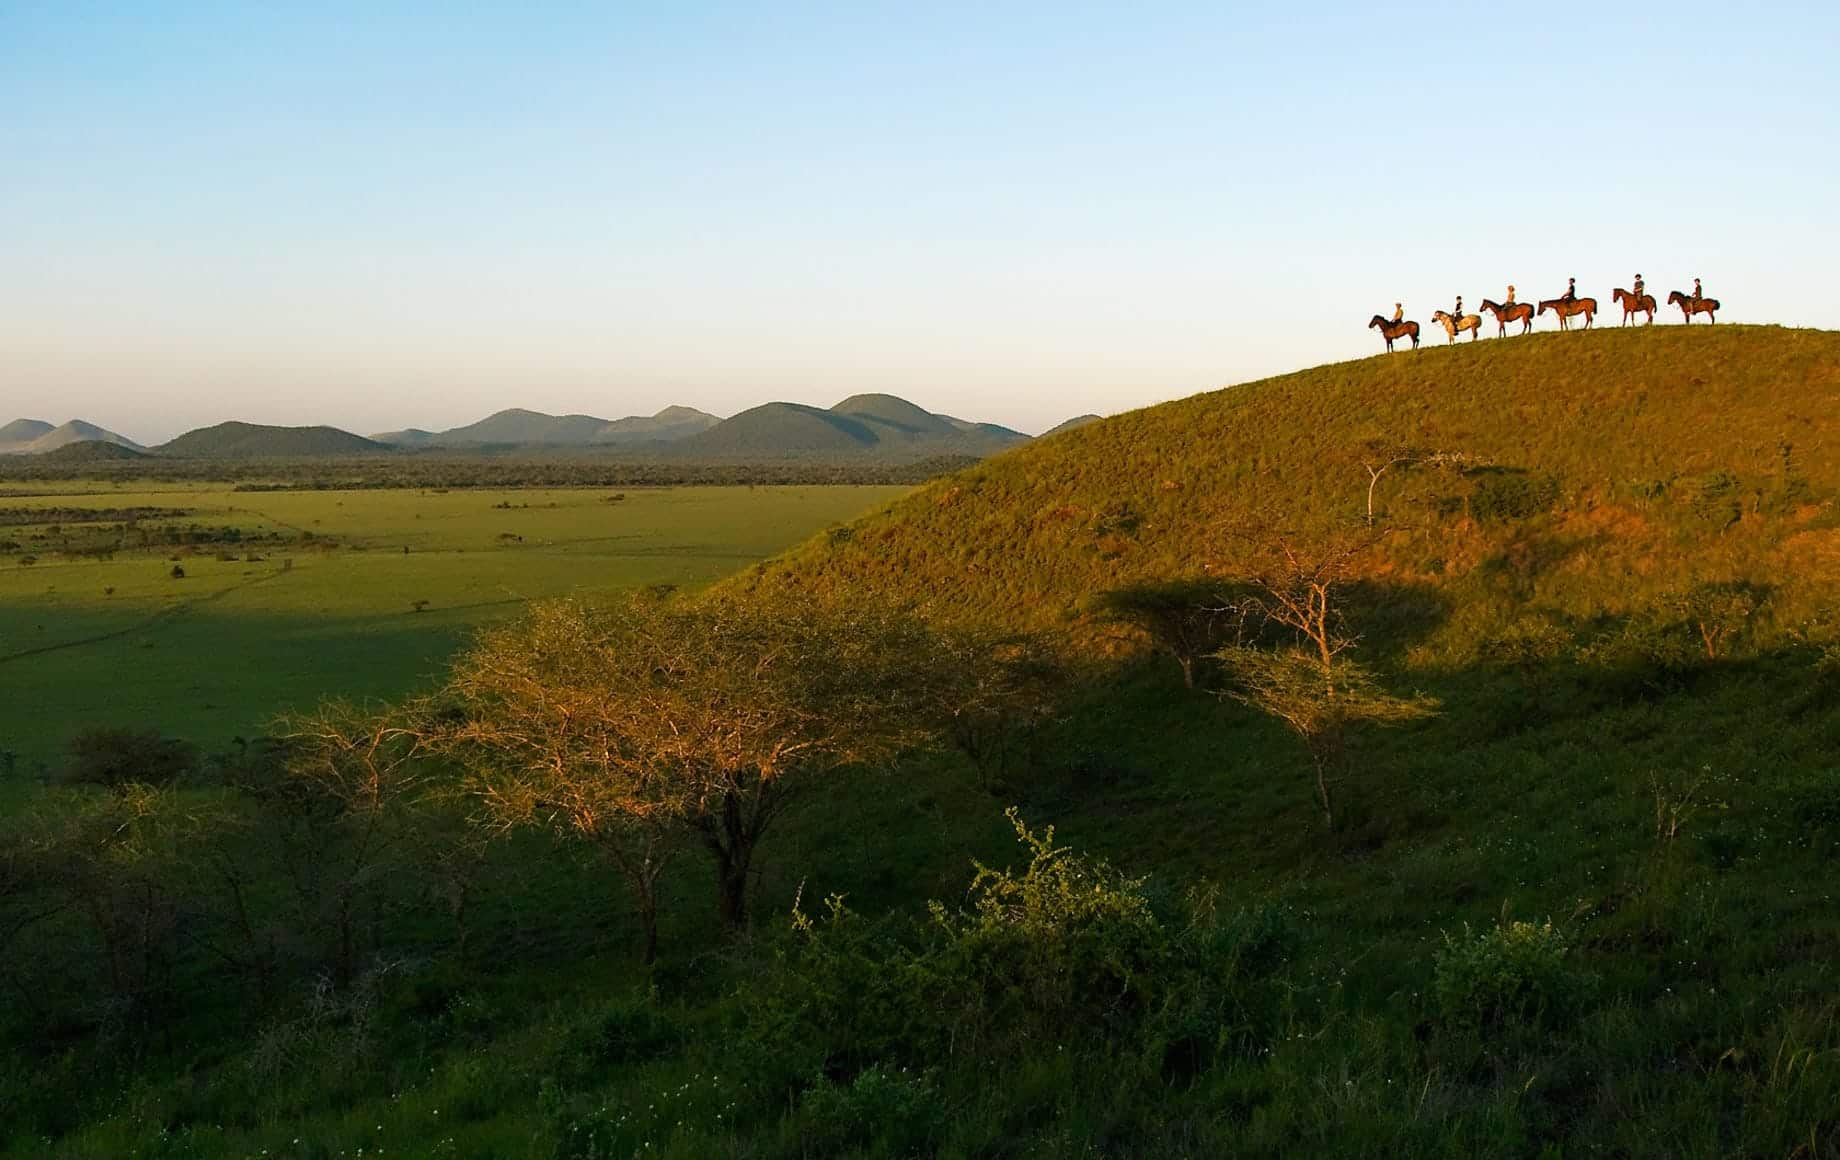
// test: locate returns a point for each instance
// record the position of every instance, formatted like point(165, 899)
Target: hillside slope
point(1581, 471)
point(1072, 424)
point(237, 440)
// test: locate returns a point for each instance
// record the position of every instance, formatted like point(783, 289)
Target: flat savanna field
point(290, 596)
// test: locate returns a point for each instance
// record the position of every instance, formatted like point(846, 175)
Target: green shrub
point(1719, 612)
point(1513, 973)
point(1501, 496)
point(1713, 498)
point(881, 1111)
point(627, 1030)
point(115, 757)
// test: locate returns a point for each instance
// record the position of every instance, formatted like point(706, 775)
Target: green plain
point(91, 642)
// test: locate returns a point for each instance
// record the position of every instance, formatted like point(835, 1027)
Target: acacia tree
point(112, 856)
point(548, 713)
point(333, 801)
point(1308, 682)
point(987, 692)
point(642, 723)
point(1180, 616)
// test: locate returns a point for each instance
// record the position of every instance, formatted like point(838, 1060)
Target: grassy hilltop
point(1582, 904)
point(1578, 468)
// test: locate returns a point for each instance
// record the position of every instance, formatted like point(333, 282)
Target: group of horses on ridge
point(1524, 313)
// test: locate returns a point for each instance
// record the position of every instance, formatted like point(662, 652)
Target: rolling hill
point(1607, 567)
point(22, 431)
point(237, 440)
point(779, 429)
point(522, 428)
point(671, 424)
point(871, 426)
point(91, 451)
point(35, 437)
point(1628, 451)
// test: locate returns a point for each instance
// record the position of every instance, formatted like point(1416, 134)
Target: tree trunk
point(1322, 796)
point(730, 837)
point(648, 925)
point(1188, 671)
point(1323, 748)
point(342, 967)
point(731, 888)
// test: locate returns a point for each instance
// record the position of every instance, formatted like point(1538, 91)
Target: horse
point(1392, 330)
point(1521, 312)
point(1689, 306)
point(1454, 326)
point(1633, 306)
point(1565, 310)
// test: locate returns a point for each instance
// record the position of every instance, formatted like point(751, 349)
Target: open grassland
point(1583, 906)
point(289, 596)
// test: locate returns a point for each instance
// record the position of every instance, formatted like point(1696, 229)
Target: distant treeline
point(419, 471)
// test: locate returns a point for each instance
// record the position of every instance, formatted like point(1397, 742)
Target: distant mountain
point(668, 425)
point(235, 440)
point(22, 431)
point(518, 427)
point(91, 451)
point(774, 430)
point(1071, 424)
point(888, 411)
point(410, 437)
point(861, 426)
point(35, 437)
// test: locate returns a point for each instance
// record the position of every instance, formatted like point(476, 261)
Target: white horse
point(1455, 326)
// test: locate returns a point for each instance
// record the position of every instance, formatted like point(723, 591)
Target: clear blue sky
point(378, 215)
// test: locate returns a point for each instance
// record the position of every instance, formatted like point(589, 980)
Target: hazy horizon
point(415, 217)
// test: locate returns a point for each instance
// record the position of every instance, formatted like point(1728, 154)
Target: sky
point(379, 215)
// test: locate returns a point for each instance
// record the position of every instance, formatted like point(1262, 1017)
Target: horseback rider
point(1571, 291)
point(1457, 314)
point(1510, 300)
point(1399, 311)
point(1696, 294)
point(1638, 287)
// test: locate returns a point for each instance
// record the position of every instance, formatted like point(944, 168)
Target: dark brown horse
point(1633, 306)
point(1565, 310)
point(1689, 306)
point(1521, 312)
point(1392, 330)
